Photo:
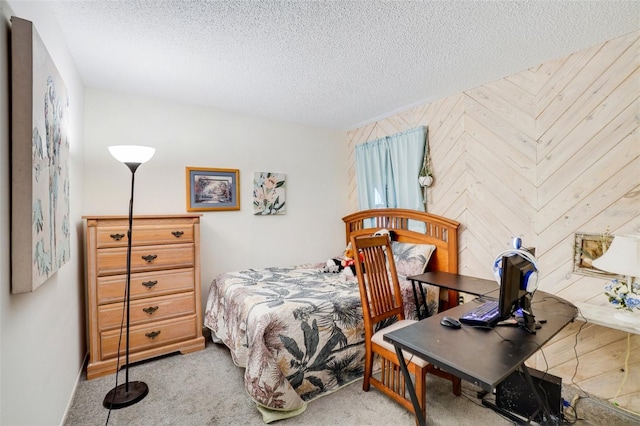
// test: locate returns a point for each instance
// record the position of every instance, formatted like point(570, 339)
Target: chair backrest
point(377, 279)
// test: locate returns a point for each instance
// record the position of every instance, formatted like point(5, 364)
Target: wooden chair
point(381, 303)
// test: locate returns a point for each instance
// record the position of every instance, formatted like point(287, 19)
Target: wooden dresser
point(166, 312)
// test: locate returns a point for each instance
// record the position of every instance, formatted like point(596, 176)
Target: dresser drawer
point(111, 261)
point(144, 235)
point(147, 310)
point(145, 284)
point(143, 337)
point(165, 287)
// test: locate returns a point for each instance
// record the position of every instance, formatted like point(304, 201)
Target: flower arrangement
point(623, 296)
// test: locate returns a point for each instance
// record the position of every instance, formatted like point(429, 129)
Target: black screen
point(512, 284)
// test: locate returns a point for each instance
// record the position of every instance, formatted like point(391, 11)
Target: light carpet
point(206, 388)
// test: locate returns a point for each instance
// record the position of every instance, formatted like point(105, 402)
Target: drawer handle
point(149, 284)
point(177, 234)
point(117, 237)
point(150, 310)
point(153, 334)
point(150, 257)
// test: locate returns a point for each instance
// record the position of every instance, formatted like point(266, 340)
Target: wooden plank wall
point(543, 154)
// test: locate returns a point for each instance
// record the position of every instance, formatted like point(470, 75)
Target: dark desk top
point(463, 283)
point(484, 357)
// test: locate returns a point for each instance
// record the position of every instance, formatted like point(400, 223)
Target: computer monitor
point(514, 298)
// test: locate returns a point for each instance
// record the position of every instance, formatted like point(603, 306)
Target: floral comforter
point(297, 331)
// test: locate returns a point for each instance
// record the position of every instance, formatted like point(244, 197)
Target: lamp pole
point(128, 393)
point(132, 167)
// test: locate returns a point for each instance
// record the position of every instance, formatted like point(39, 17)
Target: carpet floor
point(206, 388)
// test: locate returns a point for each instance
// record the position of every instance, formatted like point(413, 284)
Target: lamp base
point(118, 397)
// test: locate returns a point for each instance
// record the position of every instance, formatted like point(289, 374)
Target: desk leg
point(424, 303)
point(411, 387)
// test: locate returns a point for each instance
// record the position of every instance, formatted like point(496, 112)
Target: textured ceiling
point(334, 64)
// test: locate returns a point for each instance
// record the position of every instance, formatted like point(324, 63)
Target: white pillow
point(411, 259)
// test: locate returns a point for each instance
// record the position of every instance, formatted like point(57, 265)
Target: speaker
point(514, 394)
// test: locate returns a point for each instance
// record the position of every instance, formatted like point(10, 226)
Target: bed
point(298, 331)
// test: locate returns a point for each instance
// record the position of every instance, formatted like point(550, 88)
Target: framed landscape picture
point(211, 189)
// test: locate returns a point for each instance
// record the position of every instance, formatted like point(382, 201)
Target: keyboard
point(485, 314)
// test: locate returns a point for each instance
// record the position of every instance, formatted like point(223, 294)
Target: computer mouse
point(450, 322)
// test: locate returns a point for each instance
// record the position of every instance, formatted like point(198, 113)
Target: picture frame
point(40, 204)
point(269, 196)
point(587, 248)
point(212, 189)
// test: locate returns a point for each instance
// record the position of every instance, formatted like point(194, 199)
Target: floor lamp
point(128, 393)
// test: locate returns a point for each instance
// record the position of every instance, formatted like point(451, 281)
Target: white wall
point(42, 334)
point(314, 161)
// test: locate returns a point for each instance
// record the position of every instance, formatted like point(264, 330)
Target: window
point(387, 171)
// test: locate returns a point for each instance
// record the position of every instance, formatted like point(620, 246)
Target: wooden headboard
point(437, 230)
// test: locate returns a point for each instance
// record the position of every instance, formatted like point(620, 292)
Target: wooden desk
point(484, 357)
point(449, 281)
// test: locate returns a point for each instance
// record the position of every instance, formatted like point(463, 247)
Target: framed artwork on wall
point(268, 193)
point(587, 248)
point(212, 189)
point(40, 221)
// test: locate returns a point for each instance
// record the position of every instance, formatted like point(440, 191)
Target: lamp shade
point(623, 256)
point(132, 154)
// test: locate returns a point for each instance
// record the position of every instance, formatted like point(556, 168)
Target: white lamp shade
point(135, 154)
point(623, 256)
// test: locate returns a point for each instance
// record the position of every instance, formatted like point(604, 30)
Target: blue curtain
point(387, 171)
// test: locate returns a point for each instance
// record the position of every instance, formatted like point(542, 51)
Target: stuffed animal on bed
point(384, 231)
point(347, 262)
point(334, 266)
point(348, 259)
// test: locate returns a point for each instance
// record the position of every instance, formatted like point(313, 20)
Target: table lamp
point(128, 393)
point(622, 258)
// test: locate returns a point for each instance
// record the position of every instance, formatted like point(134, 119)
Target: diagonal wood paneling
point(543, 154)
point(496, 115)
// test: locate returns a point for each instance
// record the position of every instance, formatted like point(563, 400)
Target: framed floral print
point(212, 189)
point(268, 193)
